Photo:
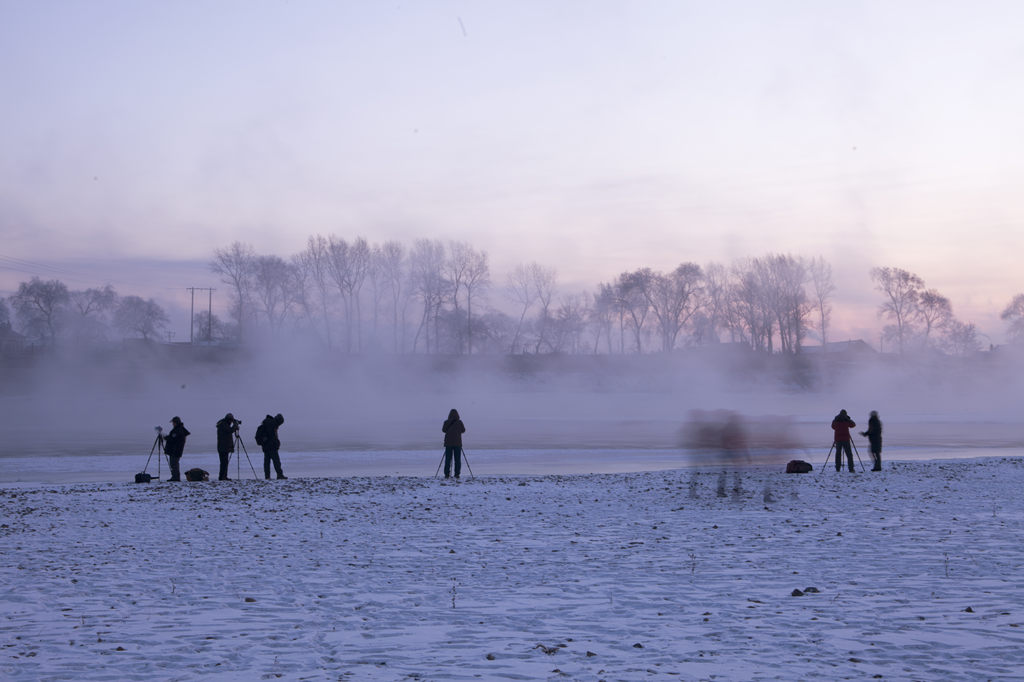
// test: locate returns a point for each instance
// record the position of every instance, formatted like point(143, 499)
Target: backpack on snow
point(197, 474)
point(798, 466)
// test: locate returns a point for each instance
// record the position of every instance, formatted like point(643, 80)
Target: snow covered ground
point(911, 573)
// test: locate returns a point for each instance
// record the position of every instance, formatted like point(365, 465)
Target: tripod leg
point(151, 451)
point(827, 458)
point(241, 445)
point(439, 465)
point(464, 457)
point(858, 455)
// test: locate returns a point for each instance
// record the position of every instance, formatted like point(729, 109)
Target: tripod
point(464, 457)
point(852, 443)
point(240, 447)
point(158, 443)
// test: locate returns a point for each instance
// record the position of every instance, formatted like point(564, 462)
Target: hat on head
point(175, 420)
point(279, 419)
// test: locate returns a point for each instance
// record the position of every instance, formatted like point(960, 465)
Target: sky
point(593, 137)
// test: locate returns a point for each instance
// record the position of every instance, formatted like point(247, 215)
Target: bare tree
point(751, 304)
point(631, 292)
point(520, 288)
point(427, 261)
point(673, 298)
point(391, 263)
point(135, 315)
point(1013, 315)
point(348, 264)
point(822, 288)
point(39, 306)
point(902, 290)
point(466, 269)
point(477, 279)
point(235, 266)
point(274, 290)
point(545, 284)
point(713, 313)
point(602, 314)
point(92, 306)
point(785, 277)
point(314, 281)
point(569, 324)
point(960, 338)
point(216, 329)
point(935, 313)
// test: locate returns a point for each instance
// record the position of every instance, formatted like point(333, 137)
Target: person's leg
point(447, 462)
point(458, 461)
point(277, 464)
point(266, 465)
point(175, 469)
point(849, 455)
point(222, 475)
point(843, 446)
point(878, 459)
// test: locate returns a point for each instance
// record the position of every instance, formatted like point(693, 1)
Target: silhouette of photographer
point(453, 429)
point(842, 425)
point(174, 446)
point(266, 437)
point(226, 429)
point(874, 436)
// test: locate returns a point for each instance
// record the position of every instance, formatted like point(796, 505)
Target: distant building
point(852, 347)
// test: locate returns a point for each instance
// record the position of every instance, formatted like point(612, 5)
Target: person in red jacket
point(841, 425)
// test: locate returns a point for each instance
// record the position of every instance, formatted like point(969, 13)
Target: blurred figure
point(453, 429)
point(719, 434)
point(266, 437)
point(174, 446)
point(842, 425)
point(874, 435)
point(226, 429)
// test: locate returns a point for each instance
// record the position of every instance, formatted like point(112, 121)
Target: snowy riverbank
point(913, 573)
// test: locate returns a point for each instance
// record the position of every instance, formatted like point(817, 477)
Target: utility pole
point(192, 314)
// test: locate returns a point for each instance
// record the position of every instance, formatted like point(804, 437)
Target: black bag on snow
point(197, 474)
point(798, 466)
point(143, 477)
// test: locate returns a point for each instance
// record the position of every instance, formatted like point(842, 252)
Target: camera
point(158, 429)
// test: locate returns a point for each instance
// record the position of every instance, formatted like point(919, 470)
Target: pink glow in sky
point(594, 137)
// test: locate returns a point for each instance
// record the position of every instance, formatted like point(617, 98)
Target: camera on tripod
point(158, 429)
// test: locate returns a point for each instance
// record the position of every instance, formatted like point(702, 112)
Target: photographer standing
point(874, 435)
point(266, 437)
point(842, 425)
point(453, 428)
point(174, 446)
point(226, 429)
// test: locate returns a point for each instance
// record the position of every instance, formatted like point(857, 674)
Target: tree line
point(434, 297)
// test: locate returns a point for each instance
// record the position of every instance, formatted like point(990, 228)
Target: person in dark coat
point(874, 435)
point(453, 429)
point(174, 446)
point(226, 430)
point(841, 425)
point(271, 445)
